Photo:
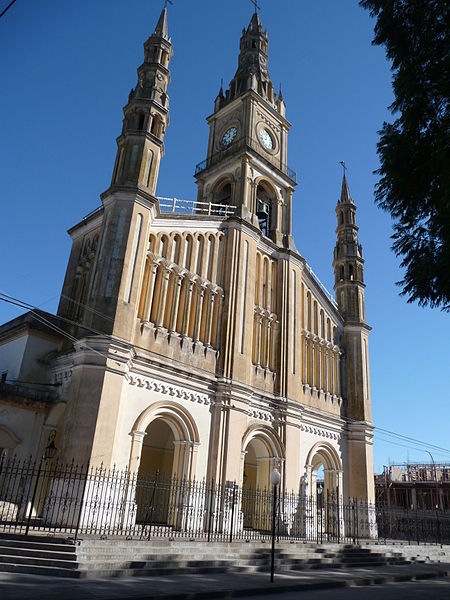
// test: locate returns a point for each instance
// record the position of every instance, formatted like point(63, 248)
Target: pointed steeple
point(255, 23)
point(161, 25)
point(348, 261)
point(252, 72)
point(146, 116)
point(345, 193)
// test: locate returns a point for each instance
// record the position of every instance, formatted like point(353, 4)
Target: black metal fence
point(45, 496)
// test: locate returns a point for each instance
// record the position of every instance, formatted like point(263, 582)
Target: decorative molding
point(169, 389)
point(323, 433)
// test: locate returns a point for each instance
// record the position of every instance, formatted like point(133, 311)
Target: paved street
point(421, 590)
point(334, 582)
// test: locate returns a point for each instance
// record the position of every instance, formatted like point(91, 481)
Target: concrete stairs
point(93, 558)
point(38, 555)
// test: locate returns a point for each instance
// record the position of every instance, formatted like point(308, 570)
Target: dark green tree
point(414, 150)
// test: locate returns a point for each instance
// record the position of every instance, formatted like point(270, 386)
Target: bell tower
point(348, 265)
point(140, 146)
point(246, 162)
point(107, 296)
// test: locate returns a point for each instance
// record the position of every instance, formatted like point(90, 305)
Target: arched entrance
point(262, 451)
point(163, 453)
point(324, 492)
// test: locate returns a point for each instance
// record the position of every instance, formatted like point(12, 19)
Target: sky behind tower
point(67, 68)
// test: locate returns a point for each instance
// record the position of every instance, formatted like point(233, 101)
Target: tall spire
point(348, 262)
point(146, 115)
point(345, 193)
point(252, 72)
point(161, 25)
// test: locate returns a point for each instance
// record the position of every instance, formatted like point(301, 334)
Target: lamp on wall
point(275, 479)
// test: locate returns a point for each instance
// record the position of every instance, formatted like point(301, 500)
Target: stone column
point(319, 366)
point(150, 290)
point(258, 338)
point(137, 439)
point(219, 304)
point(187, 308)
point(162, 296)
point(198, 312)
point(175, 302)
point(305, 359)
point(209, 316)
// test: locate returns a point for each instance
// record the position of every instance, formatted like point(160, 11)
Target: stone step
point(38, 570)
point(37, 545)
point(39, 562)
point(17, 550)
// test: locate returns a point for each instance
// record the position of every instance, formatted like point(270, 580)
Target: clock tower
point(246, 163)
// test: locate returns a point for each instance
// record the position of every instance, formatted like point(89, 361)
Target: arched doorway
point(262, 451)
point(324, 490)
point(165, 441)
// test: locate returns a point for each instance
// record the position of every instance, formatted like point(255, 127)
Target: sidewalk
point(17, 586)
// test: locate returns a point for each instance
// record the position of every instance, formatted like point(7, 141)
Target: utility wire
point(7, 8)
point(398, 437)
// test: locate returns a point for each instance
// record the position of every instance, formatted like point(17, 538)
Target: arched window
point(351, 273)
point(176, 249)
point(164, 246)
point(257, 278)
point(265, 283)
point(187, 256)
point(155, 125)
point(329, 330)
point(322, 324)
point(222, 196)
point(210, 257)
point(264, 209)
point(199, 258)
point(308, 311)
point(141, 121)
point(316, 319)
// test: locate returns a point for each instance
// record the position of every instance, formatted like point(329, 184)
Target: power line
point(22, 304)
point(7, 8)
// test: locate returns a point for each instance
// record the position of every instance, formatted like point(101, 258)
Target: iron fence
point(47, 496)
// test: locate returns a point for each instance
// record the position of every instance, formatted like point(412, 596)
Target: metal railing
point(44, 496)
point(321, 285)
point(194, 207)
point(245, 142)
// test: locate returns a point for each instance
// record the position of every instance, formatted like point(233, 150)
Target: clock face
point(266, 139)
point(228, 137)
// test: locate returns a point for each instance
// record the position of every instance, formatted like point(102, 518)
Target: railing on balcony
point(322, 287)
point(194, 207)
point(238, 145)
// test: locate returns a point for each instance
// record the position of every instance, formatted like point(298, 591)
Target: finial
point(344, 166)
point(280, 93)
point(166, 2)
point(256, 5)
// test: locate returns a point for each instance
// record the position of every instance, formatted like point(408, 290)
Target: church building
point(191, 337)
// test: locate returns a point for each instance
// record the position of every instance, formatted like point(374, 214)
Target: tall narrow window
point(294, 319)
point(244, 296)
point(133, 257)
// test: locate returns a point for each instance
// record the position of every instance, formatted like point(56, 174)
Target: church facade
point(192, 338)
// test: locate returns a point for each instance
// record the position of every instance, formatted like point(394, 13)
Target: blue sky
point(67, 68)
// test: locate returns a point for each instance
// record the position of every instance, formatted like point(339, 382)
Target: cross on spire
point(166, 2)
point(343, 165)
point(256, 5)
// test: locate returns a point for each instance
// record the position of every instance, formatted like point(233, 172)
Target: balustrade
point(191, 299)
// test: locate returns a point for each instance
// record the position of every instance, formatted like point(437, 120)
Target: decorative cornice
point(169, 389)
